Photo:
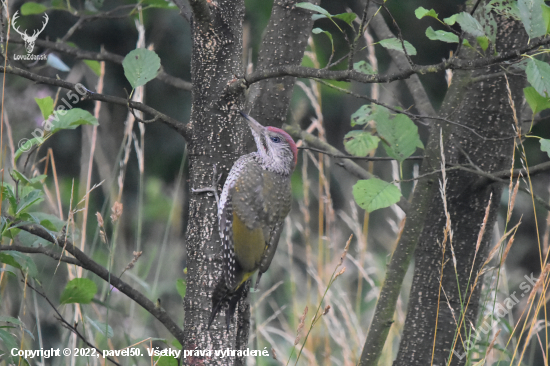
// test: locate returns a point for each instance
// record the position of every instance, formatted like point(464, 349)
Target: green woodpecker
point(253, 205)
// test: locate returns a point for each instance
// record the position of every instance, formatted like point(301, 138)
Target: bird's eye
point(275, 139)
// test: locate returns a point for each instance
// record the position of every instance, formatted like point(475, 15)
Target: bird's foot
point(213, 189)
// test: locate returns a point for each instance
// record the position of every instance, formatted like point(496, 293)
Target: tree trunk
point(220, 137)
point(477, 99)
point(217, 138)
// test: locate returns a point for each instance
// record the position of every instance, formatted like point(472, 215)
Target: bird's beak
point(254, 125)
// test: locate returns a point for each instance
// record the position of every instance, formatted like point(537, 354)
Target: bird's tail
point(222, 296)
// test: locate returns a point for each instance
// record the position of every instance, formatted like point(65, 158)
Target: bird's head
point(275, 147)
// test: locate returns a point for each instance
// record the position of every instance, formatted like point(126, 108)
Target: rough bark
point(478, 99)
point(217, 138)
point(284, 43)
point(220, 136)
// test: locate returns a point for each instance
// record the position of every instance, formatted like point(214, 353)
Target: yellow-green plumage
point(255, 200)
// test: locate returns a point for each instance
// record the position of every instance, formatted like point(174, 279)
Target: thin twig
point(366, 158)
point(67, 325)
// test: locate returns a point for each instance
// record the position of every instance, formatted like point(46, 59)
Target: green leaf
point(8, 192)
point(35, 182)
point(141, 66)
point(469, 24)
point(10, 319)
point(103, 328)
point(420, 13)
point(395, 44)
point(536, 101)
point(79, 290)
point(346, 17)
point(319, 30)
point(10, 342)
point(181, 286)
point(538, 75)
point(26, 145)
point(368, 113)
point(450, 20)
point(400, 136)
point(546, 17)
point(312, 7)
point(19, 261)
point(28, 200)
point(95, 66)
point(166, 361)
point(364, 67)
point(372, 194)
point(483, 42)
point(31, 8)
point(530, 12)
point(545, 146)
point(45, 105)
point(70, 119)
point(162, 4)
point(440, 35)
point(362, 115)
point(360, 143)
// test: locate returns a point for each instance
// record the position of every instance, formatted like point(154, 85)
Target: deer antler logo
point(29, 40)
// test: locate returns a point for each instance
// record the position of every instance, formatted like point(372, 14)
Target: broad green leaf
point(181, 286)
point(507, 8)
point(368, 113)
point(545, 146)
point(490, 26)
point(31, 8)
point(538, 75)
point(440, 35)
point(346, 17)
point(319, 30)
point(28, 200)
point(45, 105)
point(19, 261)
point(530, 12)
point(395, 44)
point(536, 101)
point(469, 24)
point(166, 361)
point(360, 143)
point(35, 182)
point(104, 329)
point(162, 4)
point(364, 67)
point(372, 194)
point(70, 119)
point(141, 66)
point(312, 7)
point(421, 12)
point(546, 17)
point(362, 115)
point(95, 66)
point(79, 290)
point(450, 20)
point(483, 42)
point(400, 135)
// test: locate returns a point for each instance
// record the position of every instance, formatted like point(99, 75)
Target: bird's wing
point(270, 250)
point(240, 197)
point(279, 194)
